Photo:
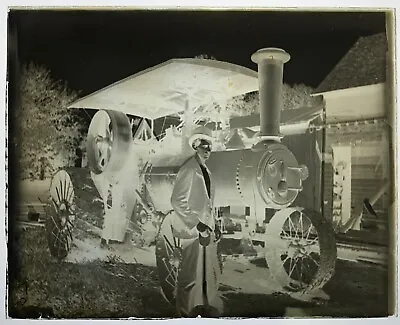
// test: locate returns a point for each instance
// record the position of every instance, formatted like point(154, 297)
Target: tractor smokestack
point(270, 79)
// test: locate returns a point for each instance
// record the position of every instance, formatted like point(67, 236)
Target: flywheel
point(108, 142)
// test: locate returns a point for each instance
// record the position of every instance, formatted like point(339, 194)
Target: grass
point(43, 287)
point(40, 286)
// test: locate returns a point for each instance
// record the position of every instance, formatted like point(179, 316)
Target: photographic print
point(214, 163)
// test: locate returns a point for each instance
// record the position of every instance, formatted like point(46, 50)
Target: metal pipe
point(270, 79)
point(186, 129)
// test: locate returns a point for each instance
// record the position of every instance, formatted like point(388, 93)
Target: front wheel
point(300, 249)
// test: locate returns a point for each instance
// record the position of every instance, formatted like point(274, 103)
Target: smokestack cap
point(270, 53)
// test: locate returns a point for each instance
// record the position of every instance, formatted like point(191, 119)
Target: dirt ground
point(40, 286)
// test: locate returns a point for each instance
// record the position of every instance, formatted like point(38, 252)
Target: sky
point(92, 49)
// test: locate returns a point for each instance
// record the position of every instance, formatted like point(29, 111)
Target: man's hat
point(200, 133)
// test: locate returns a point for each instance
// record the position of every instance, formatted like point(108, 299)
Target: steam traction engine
point(135, 185)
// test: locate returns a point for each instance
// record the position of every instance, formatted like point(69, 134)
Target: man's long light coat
point(190, 199)
point(192, 205)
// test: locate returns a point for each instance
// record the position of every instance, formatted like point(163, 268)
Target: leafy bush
point(48, 133)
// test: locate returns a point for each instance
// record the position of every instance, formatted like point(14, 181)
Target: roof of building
point(364, 64)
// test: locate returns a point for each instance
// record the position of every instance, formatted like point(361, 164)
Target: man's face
point(204, 150)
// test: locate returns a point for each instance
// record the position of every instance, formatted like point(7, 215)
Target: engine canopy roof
point(164, 89)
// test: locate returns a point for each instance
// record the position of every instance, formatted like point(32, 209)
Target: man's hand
point(204, 234)
point(203, 229)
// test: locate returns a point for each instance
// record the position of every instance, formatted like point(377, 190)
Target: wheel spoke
point(301, 271)
point(296, 226)
point(67, 244)
point(59, 236)
point(69, 231)
point(312, 242)
point(291, 223)
point(56, 236)
point(301, 224)
point(70, 194)
point(58, 243)
point(315, 262)
point(172, 273)
point(294, 266)
point(168, 281)
point(309, 231)
point(287, 236)
point(55, 223)
point(60, 233)
point(61, 190)
point(70, 222)
point(168, 266)
point(58, 195)
point(169, 245)
point(173, 237)
point(65, 188)
point(284, 261)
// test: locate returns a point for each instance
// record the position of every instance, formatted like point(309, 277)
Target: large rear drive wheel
point(74, 207)
point(60, 218)
point(168, 258)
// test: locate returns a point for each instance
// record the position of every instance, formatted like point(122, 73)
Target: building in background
point(357, 136)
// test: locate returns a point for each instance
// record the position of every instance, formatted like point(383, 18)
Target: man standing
point(195, 224)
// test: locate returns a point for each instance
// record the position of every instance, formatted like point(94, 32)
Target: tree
point(48, 133)
point(205, 56)
point(292, 97)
